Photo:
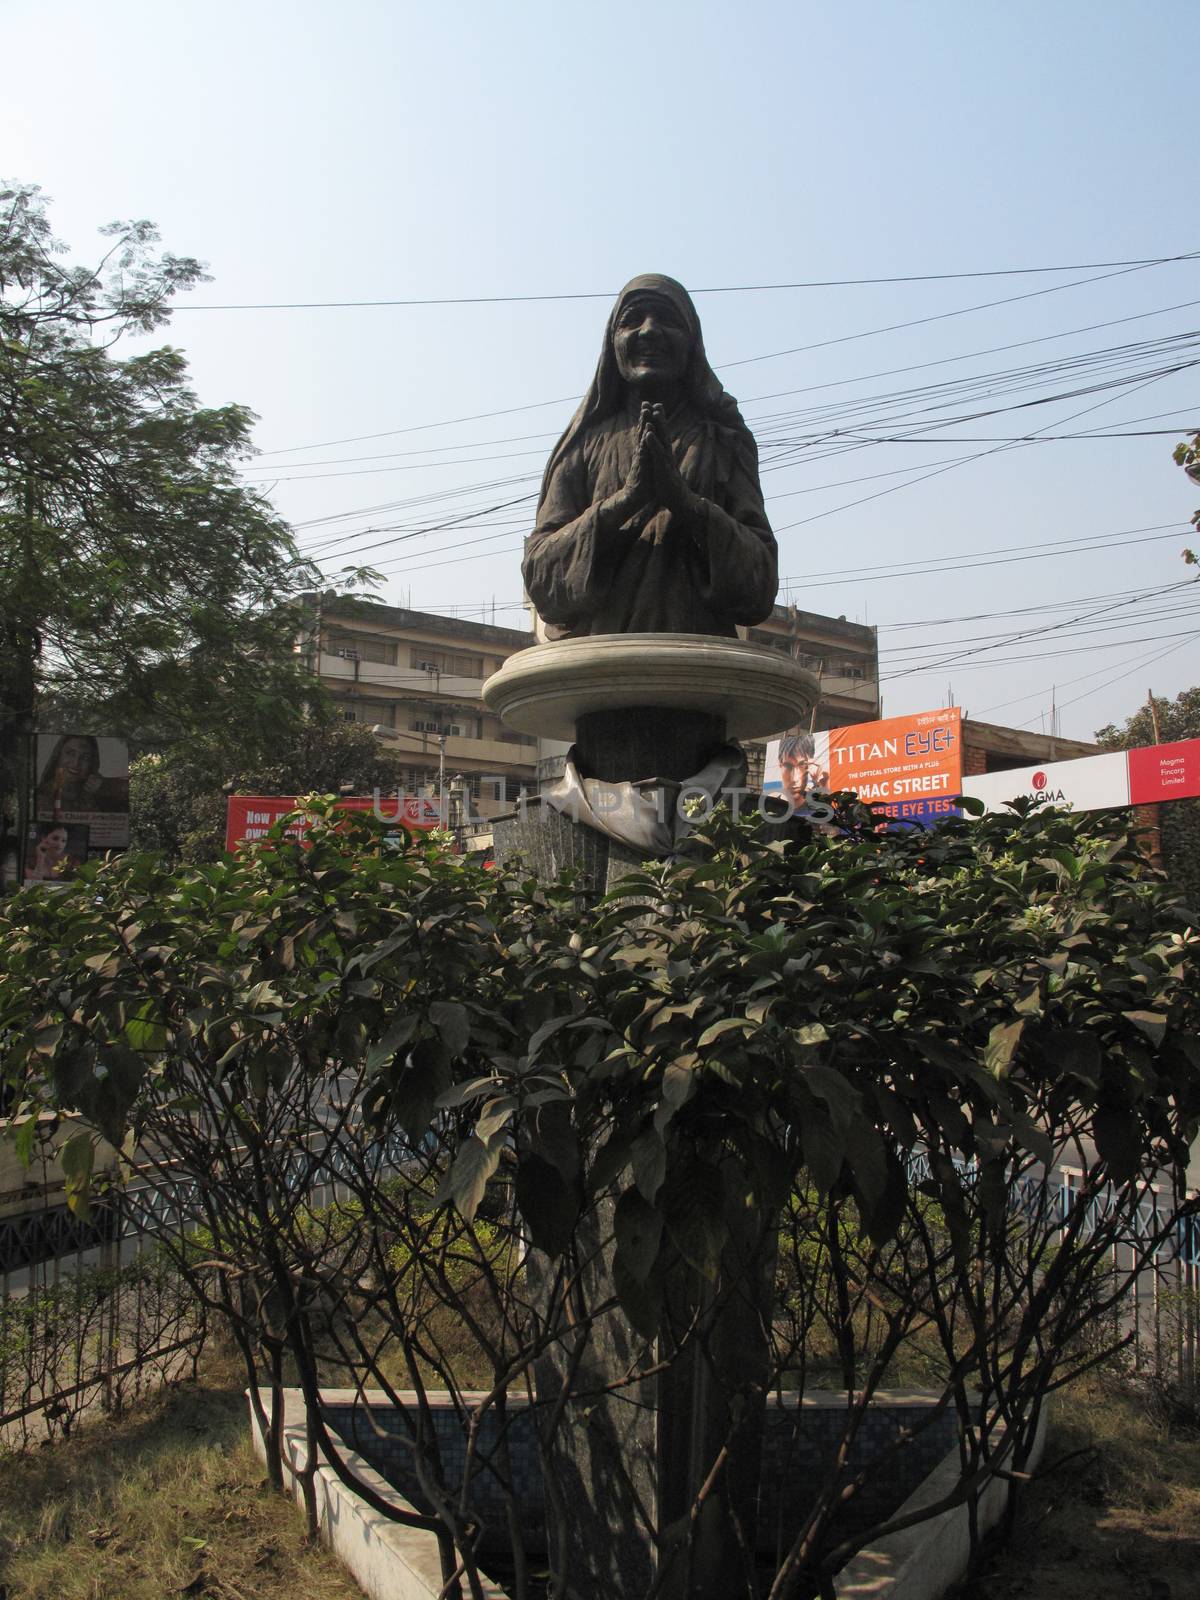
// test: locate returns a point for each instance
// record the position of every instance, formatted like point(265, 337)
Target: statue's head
point(653, 337)
point(654, 332)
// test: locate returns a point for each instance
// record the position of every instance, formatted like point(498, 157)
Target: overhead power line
point(725, 288)
point(1145, 661)
point(537, 405)
point(1037, 633)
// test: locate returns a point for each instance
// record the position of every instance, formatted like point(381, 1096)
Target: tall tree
point(1162, 721)
point(143, 587)
point(1179, 819)
point(1187, 456)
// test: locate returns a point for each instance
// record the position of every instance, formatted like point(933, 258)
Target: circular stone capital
point(545, 689)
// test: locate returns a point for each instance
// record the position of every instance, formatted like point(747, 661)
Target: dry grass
point(1118, 1521)
point(167, 1500)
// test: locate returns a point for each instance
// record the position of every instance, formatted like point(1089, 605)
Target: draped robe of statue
point(660, 572)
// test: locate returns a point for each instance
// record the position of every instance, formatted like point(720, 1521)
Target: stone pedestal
point(549, 843)
point(634, 1463)
point(641, 707)
point(641, 742)
point(754, 691)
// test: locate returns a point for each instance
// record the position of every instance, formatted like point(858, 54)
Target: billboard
point(54, 850)
point(249, 817)
point(1164, 772)
point(1090, 783)
point(1093, 783)
point(909, 768)
point(83, 781)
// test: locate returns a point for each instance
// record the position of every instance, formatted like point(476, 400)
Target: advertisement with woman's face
point(83, 779)
point(55, 850)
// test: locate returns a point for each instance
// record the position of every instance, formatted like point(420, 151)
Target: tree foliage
point(1179, 820)
point(882, 1040)
point(1187, 456)
point(142, 585)
point(177, 795)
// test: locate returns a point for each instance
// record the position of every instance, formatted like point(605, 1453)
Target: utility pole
point(1154, 723)
point(442, 780)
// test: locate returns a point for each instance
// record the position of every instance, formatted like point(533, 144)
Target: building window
point(427, 658)
point(362, 647)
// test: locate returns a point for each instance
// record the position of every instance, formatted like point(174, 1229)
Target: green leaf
point(549, 1206)
point(24, 1136)
point(838, 1096)
point(46, 1039)
point(1079, 1053)
point(553, 1137)
point(461, 1094)
point(637, 1228)
point(648, 1157)
point(727, 1025)
point(466, 1180)
point(394, 1040)
point(823, 1148)
point(693, 1206)
point(867, 1161)
point(883, 1221)
point(642, 1302)
point(547, 1031)
point(1118, 1139)
point(78, 1157)
point(412, 1096)
point(1152, 1023)
point(678, 1084)
point(451, 1020)
point(613, 1156)
point(1002, 1046)
point(495, 1115)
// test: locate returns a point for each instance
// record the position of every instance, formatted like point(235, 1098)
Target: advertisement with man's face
point(797, 766)
point(83, 781)
point(908, 768)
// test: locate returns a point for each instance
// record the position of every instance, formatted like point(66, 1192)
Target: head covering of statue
point(701, 389)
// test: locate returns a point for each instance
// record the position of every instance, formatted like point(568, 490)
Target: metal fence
point(1157, 1250)
point(92, 1311)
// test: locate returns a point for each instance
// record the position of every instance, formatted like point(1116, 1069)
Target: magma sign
point(1094, 783)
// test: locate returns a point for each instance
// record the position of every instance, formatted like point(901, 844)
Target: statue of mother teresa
point(651, 516)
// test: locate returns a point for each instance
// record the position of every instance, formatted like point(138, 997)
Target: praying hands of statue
point(654, 480)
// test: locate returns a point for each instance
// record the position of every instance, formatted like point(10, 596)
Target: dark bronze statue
point(651, 517)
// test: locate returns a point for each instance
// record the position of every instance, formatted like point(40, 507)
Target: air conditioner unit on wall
point(347, 654)
point(427, 666)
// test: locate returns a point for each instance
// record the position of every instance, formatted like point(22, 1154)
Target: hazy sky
point(386, 152)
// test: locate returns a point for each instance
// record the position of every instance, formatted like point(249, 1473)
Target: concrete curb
point(388, 1561)
point(391, 1562)
point(921, 1563)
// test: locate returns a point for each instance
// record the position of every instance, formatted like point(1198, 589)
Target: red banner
point(250, 817)
point(1164, 772)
